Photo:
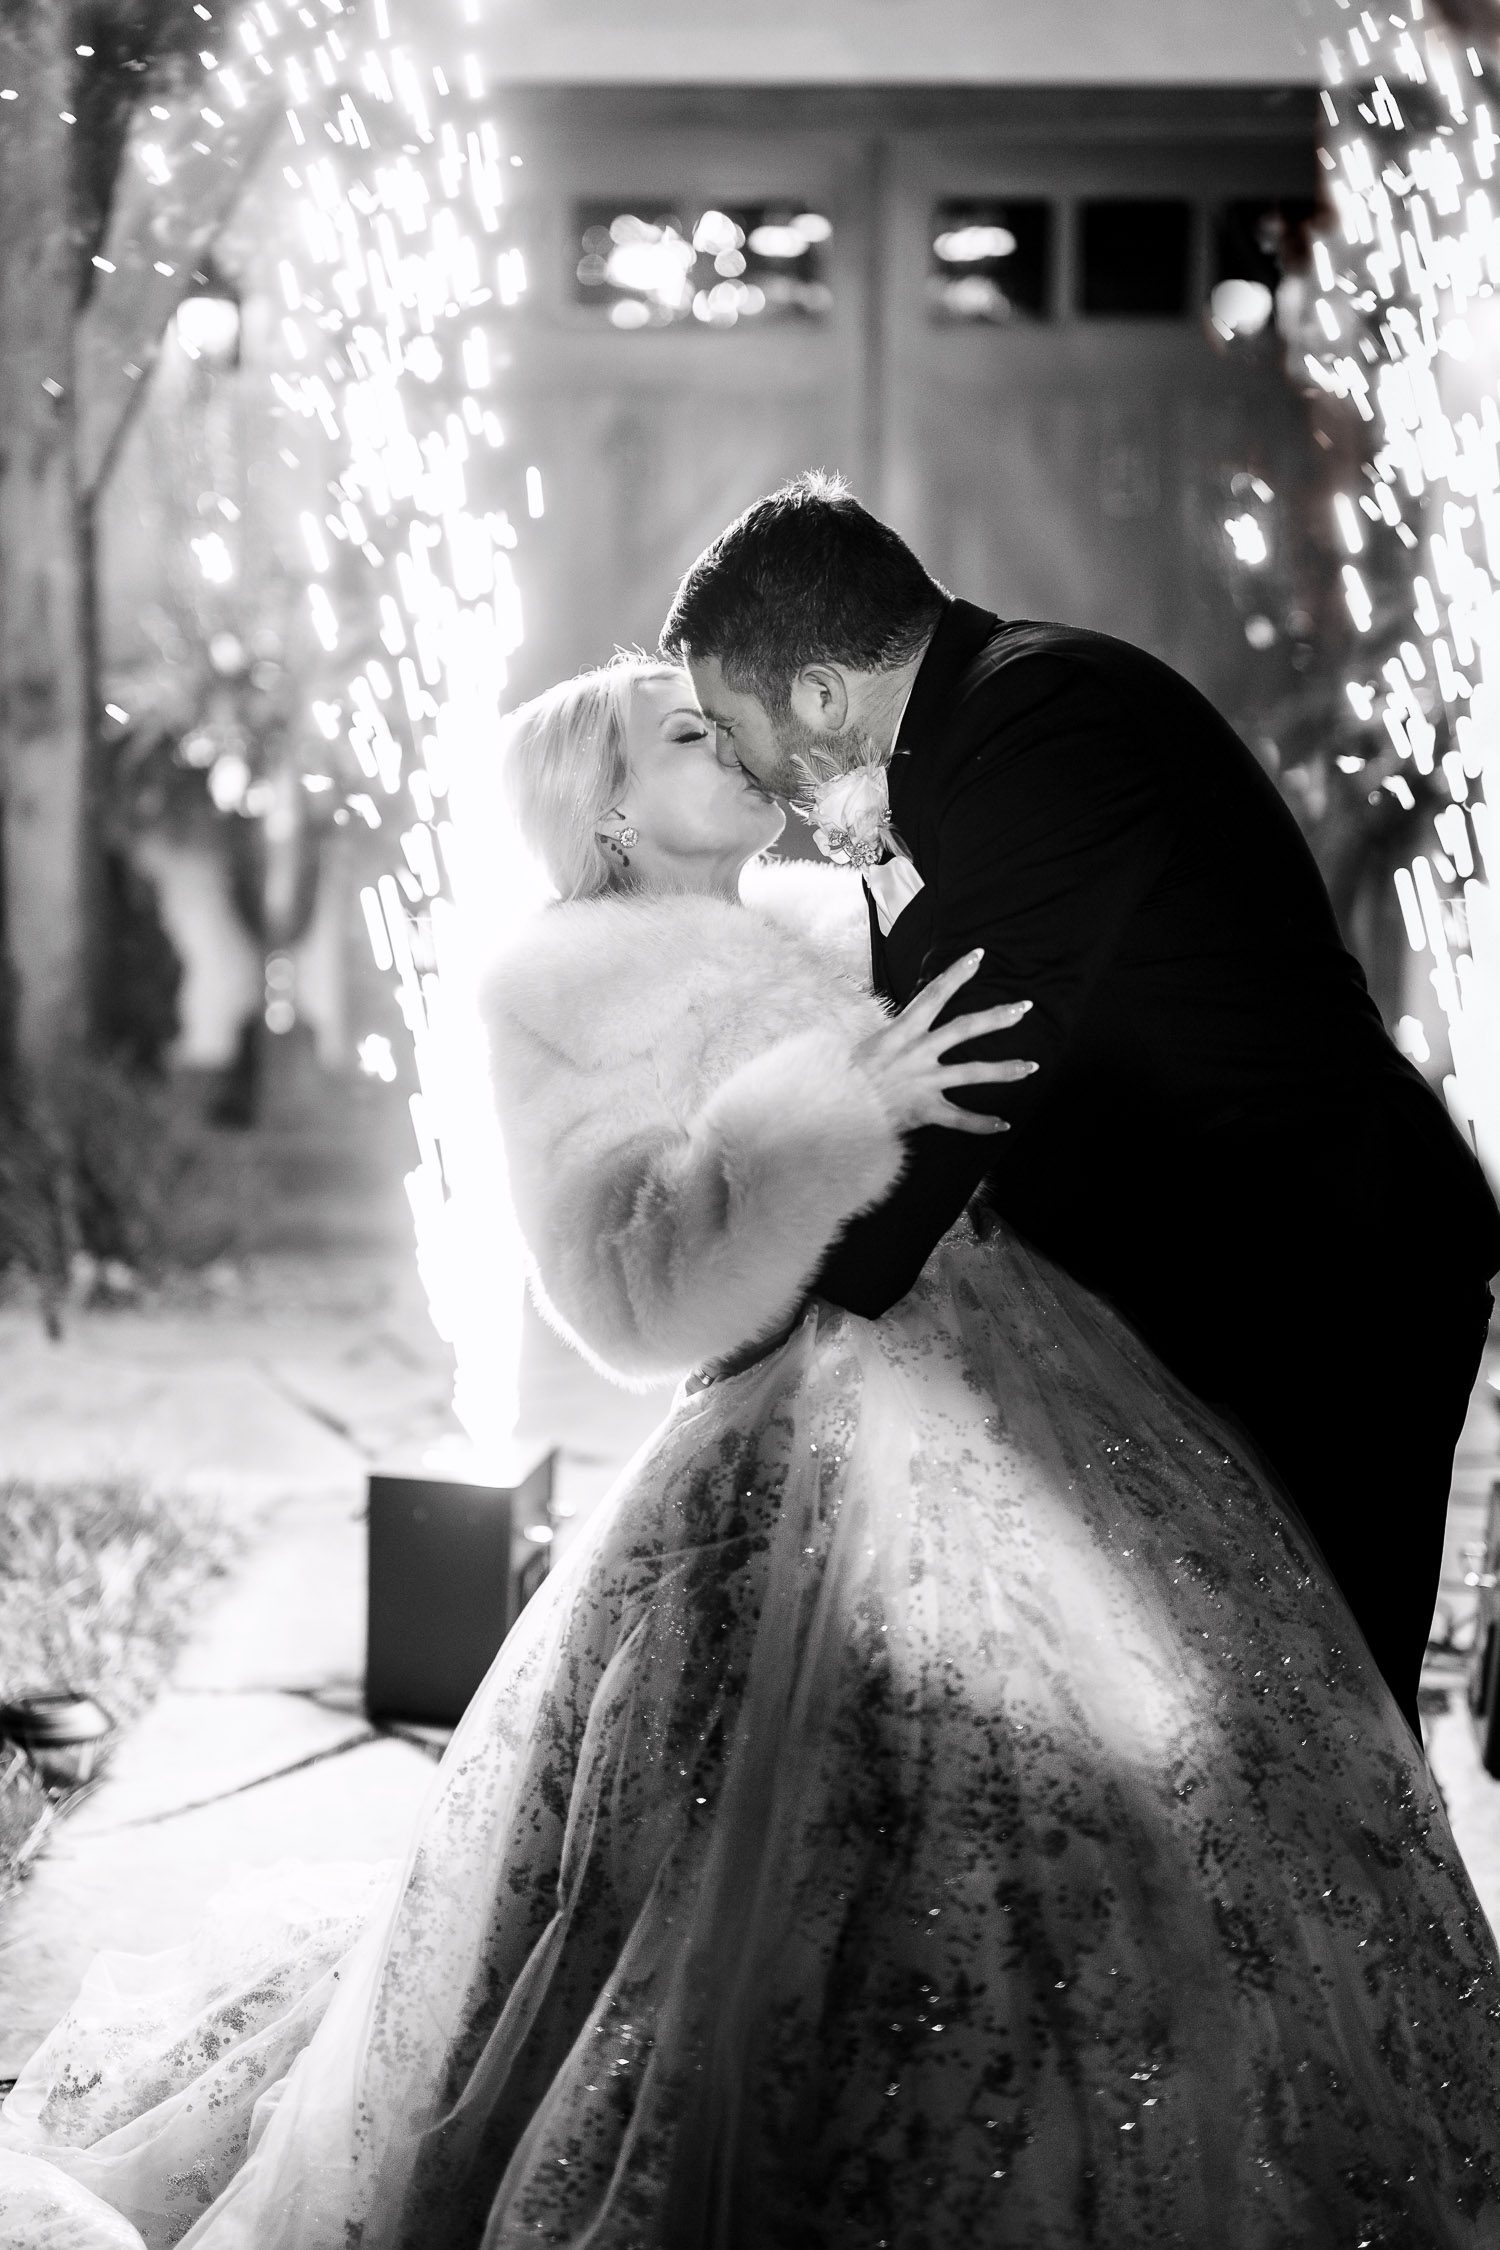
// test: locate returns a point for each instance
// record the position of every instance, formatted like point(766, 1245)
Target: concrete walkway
point(259, 1749)
point(279, 1398)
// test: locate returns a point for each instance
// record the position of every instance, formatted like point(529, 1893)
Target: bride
point(942, 1800)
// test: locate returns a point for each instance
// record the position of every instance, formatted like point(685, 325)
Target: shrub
point(104, 1179)
point(99, 1587)
point(26, 1810)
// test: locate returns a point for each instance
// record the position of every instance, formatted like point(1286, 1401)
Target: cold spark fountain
point(1409, 323)
point(395, 285)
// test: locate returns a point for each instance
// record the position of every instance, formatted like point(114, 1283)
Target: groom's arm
point(1045, 846)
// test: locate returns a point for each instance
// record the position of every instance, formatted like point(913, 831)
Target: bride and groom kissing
point(963, 1786)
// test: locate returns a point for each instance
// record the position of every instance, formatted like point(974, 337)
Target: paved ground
point(280, 1398)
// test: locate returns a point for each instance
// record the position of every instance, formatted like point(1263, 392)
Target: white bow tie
point(893, 885)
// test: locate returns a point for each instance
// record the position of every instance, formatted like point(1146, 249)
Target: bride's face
point(688, 795)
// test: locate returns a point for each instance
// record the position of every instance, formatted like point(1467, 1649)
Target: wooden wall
point(1064, 468)
point(990, 42)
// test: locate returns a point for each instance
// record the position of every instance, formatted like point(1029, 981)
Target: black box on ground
point(453, 1562)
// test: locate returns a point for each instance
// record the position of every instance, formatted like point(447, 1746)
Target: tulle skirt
point(943, 1801)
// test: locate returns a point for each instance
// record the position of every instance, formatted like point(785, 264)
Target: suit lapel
point(879, 966)
point(904, 945)
point(962, 632)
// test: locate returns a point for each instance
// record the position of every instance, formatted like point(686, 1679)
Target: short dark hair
point(805, 576)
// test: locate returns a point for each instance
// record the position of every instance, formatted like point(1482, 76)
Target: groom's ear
point(820, 698)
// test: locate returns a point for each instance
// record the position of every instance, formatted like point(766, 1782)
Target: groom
point(1221, 1138)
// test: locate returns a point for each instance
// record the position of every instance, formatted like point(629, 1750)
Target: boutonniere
point(850, 816)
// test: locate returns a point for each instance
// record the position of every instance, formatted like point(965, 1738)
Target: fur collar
point(600, 979)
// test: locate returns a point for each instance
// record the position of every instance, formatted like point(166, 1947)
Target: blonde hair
point(566, 768)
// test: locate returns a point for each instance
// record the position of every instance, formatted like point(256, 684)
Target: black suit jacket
point(1218, 1104)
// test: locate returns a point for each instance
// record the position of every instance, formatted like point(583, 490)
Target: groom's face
point(767, 748)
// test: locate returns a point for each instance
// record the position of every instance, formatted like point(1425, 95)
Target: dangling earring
point(620, 843)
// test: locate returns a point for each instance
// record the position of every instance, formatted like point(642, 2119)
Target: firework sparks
point(390, 300)
point(1410, 335)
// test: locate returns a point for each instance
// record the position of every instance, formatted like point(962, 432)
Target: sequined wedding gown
point(942, 1804)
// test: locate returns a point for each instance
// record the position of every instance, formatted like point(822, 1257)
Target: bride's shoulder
point(822, 905)
point(625, 935)
point(610, 975)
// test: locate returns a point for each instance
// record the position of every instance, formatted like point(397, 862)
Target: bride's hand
point(905, 1057)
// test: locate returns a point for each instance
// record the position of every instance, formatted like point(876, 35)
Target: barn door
point(695, 335)
point(1058, 427)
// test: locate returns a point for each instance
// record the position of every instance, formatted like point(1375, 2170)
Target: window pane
point(655, 265)
point(990, 260)
point(1254, 240)
point(1255, 243)
point(1134, 256)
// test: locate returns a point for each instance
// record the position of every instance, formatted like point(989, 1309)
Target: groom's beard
point(808, 757)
